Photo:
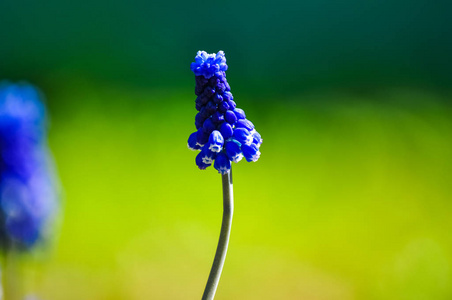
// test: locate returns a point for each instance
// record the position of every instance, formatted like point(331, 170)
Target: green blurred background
point(351, 198)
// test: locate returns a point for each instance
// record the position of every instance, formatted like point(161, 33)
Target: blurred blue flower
point(223, 132)
point(27, 190)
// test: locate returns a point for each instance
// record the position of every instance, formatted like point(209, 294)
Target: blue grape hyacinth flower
point(28, 197)
point(223, 134)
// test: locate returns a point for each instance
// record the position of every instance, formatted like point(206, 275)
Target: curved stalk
point(222, 248)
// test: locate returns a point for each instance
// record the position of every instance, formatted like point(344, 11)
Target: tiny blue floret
point(256, 138)
point(244, 123)
point(250, 152)
point(215, 141)
point(208, 126)
point(226, 130)
point(202, 137)
point(223, 132)
point(230, 117)
point(243, 136)
point(207, 156)
point(233, 151)
point(200, 163)
point(239, 113)
point(192, 141)
point(222, 164)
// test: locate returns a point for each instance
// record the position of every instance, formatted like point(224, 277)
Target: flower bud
point(217, 117)
point(199, 162)
point(216, 141)
point(243, 136)
point(228, 96)
point(230, 117)
point(202, 137)
point(244, 123)
point(233, 151)
point(207, 156)
point(223, 107)
point(208, 126)
point(239, 113)
point(257, 138)
point(222, 164)
point(217, 98)
point(192, 141)
point(232, 104)
point(250, 152)
point(226, 130)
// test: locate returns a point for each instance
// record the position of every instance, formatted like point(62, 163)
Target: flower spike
point(224, 134)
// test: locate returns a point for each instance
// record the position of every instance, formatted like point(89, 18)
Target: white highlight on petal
point(238, 157)
point(249, 140)
point(207, 160)
point(223, 170)
point(188, 145)
point(215, 148)
point(256, 156)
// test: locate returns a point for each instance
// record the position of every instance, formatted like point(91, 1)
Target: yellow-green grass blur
point(349, 200)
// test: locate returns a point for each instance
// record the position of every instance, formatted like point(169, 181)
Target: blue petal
point(239, 113)
point(228, 96)
point(199, 120)
point(207, 156)
point(243, 136)
point(222, 164)
point(232, 104)
point(211, 107)
point(204, 113)
point(226, 130)
point(257, 138)
point(230, 117)
point(217, 98)
point(226, 86)
point(216, 141)
point(223, 106)
point(208, 126)
point(202, 99)
point(202, 137)
point(233, 151)
point(199, 162)
point(217, 117)
point(251, 152)
point(209, 92)
point(244, 123)
point(192, 141)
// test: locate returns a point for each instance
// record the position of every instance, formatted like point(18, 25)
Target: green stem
point(222, 248)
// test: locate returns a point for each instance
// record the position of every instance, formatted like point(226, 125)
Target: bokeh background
point(351, 198)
